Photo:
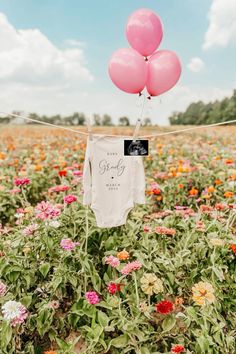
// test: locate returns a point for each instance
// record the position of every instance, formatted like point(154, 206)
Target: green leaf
point(44, 269)
point(102, 319)
point(56, 282)
point(203, 344)
point(6, 334)
point(168, 323)
point(26, 300)
point(119, 342)
point(44, 321)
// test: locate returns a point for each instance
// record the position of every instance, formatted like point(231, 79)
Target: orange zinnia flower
point(38, 168)
point(218, 181)
point(180, 186)
point(50, 352)
point(179, 301)
point(210, 189)
point(123, 255)
point(228, 194)
point(229, 161)
point(193, 192)
point(2, 156)
point(233, 177)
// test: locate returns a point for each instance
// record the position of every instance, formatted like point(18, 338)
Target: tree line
point(200, 113)
point(76, 118)
point(197, 113)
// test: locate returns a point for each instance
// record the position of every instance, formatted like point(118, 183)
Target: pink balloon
point(128, 70)
point(164, 70)
point(144, 31)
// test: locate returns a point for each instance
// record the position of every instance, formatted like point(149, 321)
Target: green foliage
point(200, 113)
point(52, 282)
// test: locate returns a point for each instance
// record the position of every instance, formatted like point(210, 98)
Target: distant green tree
point(147, 122)
point(199, 113)
point(97, 119)
point(124, 121)
point(106, 120)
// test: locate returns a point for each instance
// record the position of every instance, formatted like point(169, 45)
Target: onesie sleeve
point(87, 176)
point(139, 181)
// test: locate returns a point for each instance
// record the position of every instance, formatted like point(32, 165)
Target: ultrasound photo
point(136, 148)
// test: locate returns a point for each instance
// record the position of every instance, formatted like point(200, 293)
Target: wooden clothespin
point(89, 129)
point(136, 130)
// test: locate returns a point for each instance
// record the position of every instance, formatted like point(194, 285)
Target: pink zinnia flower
point(3, 289)
point(45, 210)
point(130, 267)
point(68, 199)
point(112, 261)
point(78, 173)
point(162, 230)
point(14, 312)
point(30, 230)
point(232, 206)
point(58, 189)
point(54, 304)
point(200, 226)
point(92, 297)
point(146, 228)
point(14, 190)
point(68, 244)
point(21, 181)
point(206, 209)
point(185, 211)
point(221, 206)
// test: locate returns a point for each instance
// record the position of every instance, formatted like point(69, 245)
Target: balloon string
point(139, 120)
point(122, 136)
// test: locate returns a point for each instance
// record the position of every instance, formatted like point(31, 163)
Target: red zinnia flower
point(68, 199)
point(177, 349)
point(62, 173)
point(233, 248)
point(164, 307)
point(113, 288)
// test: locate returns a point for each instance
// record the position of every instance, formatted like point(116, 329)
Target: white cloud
point(36, 76)
point(222, 24)
point(196, 64)
point(28, 56)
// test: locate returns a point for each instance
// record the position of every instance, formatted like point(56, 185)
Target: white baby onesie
point(112, 182)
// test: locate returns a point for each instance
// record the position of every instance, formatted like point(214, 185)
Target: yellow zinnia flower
point(151, 284)
point(216, 242)
point(203, 293)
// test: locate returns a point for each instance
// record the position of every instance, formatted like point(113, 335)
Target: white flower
point(19, 215)
point(54, 223)
point(11, 310)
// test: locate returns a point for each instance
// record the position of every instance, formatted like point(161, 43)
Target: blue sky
point(97, 28)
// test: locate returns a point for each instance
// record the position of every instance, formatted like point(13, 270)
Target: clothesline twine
point(139, 137)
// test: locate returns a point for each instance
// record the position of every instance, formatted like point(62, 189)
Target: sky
point(54, 55)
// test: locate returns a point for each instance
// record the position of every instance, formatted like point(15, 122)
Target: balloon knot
point(149, 97)
point(146, 58)
point(140, 94)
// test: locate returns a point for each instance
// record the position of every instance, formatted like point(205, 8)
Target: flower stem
point(136, 289)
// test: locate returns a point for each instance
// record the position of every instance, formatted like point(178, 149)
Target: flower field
point(162, 283)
